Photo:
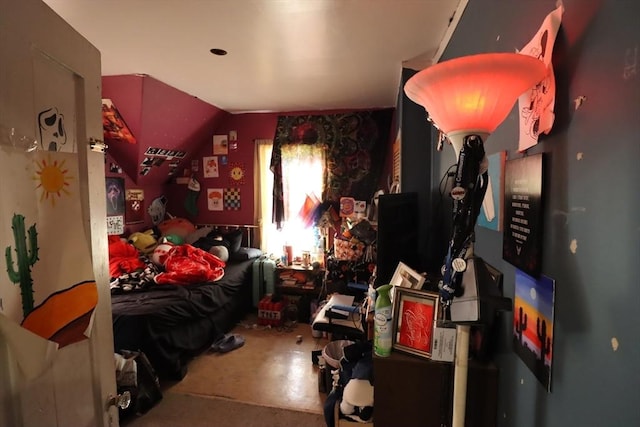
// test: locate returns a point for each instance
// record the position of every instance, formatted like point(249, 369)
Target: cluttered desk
point(342, 316)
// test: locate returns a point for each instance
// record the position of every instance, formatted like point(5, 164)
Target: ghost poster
point(115, 196)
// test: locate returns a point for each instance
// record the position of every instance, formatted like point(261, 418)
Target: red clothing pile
point(187, 264)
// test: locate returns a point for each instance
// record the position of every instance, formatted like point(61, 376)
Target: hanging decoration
point(356, 145)
point(47, 283)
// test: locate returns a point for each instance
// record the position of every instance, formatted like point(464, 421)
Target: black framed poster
point(522, 235)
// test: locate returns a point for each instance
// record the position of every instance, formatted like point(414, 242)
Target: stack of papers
point(338, 303)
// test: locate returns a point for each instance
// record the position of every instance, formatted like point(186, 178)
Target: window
point(302, 174)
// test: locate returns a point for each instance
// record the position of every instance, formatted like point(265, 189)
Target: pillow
point(235, 240)
point(194, 236)
point(244, 254)
point(205, 243)
point(220, 251)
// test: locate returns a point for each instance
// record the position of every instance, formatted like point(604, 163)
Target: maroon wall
point(161, 116)
point(249, 127)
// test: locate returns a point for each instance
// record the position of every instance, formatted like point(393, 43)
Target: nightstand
point(301, 286)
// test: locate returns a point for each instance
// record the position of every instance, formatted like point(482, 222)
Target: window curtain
point(356, 146)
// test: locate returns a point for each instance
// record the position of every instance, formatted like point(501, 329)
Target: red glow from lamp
point(474, 94)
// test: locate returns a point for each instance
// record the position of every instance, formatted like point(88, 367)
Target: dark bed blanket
point(173, 323)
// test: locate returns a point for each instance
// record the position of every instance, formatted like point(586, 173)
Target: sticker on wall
point(211, 167)
point(115, 168)
point(533, 324)
point(224, 160)
point(215, 199)
point(52, 132)
point(536, 105)
point(232, 199)
point(220, 144)
point(347, 206)
point(115, 225)
point(236, 173)
point(195, 165)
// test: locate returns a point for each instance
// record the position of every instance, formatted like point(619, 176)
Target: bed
point(173, 323)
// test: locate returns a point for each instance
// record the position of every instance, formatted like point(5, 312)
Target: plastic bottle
point(382, 322)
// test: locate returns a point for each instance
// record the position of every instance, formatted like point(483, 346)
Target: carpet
point(272, 369)
point(182, 410)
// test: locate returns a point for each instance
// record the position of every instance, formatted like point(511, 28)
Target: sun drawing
point(53, 179)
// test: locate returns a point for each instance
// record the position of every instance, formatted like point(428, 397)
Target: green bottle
point(382, 322)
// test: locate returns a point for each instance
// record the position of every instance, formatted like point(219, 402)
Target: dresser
point(410, 391)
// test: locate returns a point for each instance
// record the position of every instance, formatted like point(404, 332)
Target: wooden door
point(50, 108)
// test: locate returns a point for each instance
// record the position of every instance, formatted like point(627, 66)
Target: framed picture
point(406, 277)
point(414, 316)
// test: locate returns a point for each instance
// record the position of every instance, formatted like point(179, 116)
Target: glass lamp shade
point(474, 94)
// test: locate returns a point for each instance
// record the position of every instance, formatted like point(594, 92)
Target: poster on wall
point(533, 317)
point(220, 145)
point(537, 105)
point(47, 285)
point(523, 228)
point(232, 199)
point(134, 206)
point(491, 213)
point(114, 126)
point(215, 199)
point(211, 169)
point(115, 196)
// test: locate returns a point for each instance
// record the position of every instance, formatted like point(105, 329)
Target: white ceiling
point(283, 55)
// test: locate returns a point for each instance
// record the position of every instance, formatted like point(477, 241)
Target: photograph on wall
point(134, 213)
point(491, 213)
point(220, 144)
point(533, 324)
point(522, 234)
point(215, 199)
point(114, 126)
point(211, 169)
point(115, 196)
point(232, 199)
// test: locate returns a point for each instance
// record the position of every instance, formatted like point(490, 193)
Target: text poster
point(522, 235)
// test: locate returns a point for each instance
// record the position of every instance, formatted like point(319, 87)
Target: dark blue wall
point(592, 196)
